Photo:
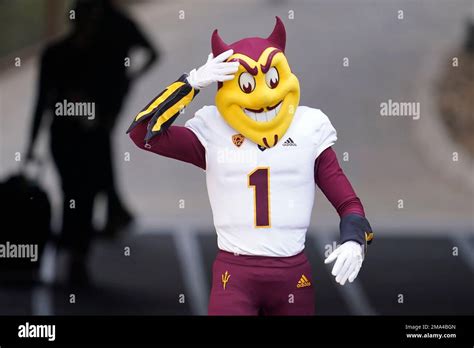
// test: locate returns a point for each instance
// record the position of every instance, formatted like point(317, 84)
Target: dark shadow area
point(84, 79)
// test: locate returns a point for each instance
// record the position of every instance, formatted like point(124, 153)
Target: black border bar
point(294, 331)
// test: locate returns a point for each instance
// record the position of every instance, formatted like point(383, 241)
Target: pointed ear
point(278, 35)
point(217, 44)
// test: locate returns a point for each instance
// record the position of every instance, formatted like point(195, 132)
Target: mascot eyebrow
point(265, 68)
point(253, 71)
point(267, 65)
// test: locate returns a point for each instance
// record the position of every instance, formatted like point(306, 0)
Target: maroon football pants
point(258, 285)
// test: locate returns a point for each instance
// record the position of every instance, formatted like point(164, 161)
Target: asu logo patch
point(238, 139)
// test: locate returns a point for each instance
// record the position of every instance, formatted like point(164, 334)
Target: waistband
point(262, 261)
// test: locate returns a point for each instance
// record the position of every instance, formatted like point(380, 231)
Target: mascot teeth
point(263, 116)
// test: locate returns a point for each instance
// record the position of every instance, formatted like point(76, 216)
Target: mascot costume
point(263, 155)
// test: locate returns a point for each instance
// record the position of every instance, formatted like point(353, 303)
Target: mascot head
point(261, 100)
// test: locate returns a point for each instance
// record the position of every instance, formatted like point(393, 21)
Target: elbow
point(138, 140)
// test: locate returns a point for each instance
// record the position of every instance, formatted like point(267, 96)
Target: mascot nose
point(263, 99)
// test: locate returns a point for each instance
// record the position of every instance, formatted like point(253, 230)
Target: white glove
point(349, 257)
point(215, 70)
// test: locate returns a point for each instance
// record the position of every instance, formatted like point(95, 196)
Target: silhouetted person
point(85, 75)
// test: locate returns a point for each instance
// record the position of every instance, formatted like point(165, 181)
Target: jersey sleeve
point(332, 181)
point(199, 124)
point(175, 142)
point(324, 135)
point(161, 112)
point(151, 128)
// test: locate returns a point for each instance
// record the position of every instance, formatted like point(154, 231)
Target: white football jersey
point(261, 199)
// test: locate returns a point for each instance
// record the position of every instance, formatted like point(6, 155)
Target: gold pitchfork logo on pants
point(225, 279)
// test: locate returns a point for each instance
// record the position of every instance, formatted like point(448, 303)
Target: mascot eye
point(272, 78)
point(246, 82)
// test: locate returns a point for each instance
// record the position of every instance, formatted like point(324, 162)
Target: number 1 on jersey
point(259, 179)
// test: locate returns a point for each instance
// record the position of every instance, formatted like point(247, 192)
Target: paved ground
point(413, 252)
point(423, 270)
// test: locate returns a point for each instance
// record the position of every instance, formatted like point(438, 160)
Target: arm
point(141, 41)
point(161, 112)
point(330, 178)
point(354, 228)
point(41, 104)
point(336, 187)
point(151, 129)
point(176, 142)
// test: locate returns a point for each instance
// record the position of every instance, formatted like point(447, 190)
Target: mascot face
point(261, 100)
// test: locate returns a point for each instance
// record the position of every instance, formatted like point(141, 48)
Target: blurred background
point(116, 238)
